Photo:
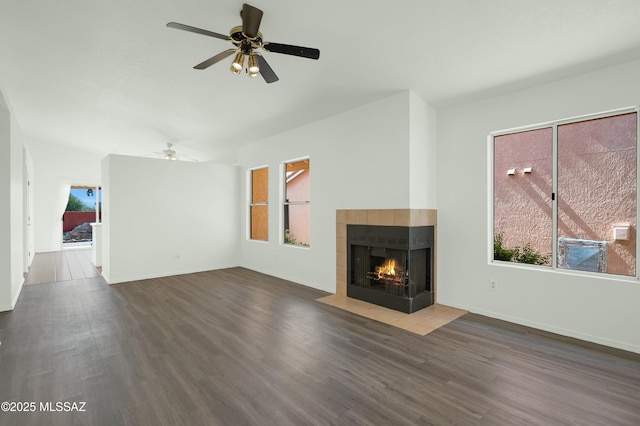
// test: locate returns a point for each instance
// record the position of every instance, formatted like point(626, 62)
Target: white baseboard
point(141, 277)
point(552, 329)
point(313, 285)
point(15, 299)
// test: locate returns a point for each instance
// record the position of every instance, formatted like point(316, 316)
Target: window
point(259, 205)
point(564, 194)
point(522, 200)
point(297, 202)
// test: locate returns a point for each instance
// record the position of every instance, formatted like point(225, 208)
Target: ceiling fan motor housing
point(243, 41)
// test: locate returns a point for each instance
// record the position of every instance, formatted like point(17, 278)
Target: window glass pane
point(296, 229)
point(597, 195)
point(260, 223)
point(260, 186)
point(297, 202)
point(522, 185)
point(259, 210)
point(297, 181)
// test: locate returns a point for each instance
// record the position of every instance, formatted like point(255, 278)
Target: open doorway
point(83, 209)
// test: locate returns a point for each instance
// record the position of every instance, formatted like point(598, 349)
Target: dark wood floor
point(235, 347)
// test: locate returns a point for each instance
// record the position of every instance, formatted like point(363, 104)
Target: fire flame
point(388, 268)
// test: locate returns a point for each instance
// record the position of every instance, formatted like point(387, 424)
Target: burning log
point(385, 277)
point(392, 277)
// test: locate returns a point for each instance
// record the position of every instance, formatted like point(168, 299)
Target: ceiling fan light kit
point(253, 68)
point(169, 153)
point(238, 63)
point(247, 41)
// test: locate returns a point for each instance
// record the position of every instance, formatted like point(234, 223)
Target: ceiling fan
point(247, 41)
point(171, 154)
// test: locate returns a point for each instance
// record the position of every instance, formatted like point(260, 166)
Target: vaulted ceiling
point(110, 77)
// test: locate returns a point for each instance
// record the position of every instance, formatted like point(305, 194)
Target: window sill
point(295, 246)
point(570, 272)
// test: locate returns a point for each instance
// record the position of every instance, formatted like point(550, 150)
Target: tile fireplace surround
point(388, 217)
point(421, 322)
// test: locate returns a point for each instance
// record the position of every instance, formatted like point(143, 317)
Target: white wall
point(423, 154)
point(18, 216)
point(359, 160)
point(598, 309)
point(5, 207)
point(155, 210)
point(12, 165)
point(28, 203)
point(55, 169)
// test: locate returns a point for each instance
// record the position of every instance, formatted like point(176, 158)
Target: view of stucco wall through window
point(297, 207)
point(596, 195)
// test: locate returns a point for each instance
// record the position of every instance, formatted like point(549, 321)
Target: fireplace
point(391, 266)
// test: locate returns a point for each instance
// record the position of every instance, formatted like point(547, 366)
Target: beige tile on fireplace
point(351, 216)
point(341, 243)
point(361, 217)
point(422, 217)
point(401, 217)
point(373, 217)
point(421, 322)
point(386, 218)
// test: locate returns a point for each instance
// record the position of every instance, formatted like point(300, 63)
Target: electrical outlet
point(493, 285)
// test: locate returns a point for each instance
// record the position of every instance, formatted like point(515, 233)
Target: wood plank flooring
point(235, 347)
point(72, 264)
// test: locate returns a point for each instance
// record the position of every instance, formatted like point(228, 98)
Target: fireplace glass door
point(399, 272)
point(390, 266)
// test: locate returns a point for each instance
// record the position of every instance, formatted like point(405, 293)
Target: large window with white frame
point(297, 202)
point(259, 204)
point(565, 194)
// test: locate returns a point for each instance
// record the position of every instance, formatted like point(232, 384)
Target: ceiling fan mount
point(243, 42)
point(248, 41)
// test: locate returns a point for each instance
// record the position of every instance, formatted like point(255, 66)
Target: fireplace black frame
point(407, 238)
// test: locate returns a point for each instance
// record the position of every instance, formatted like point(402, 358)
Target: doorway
point(83, 208)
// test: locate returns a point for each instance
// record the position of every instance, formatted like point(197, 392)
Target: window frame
point(251, 204)
point(284, 203)
point(554, 124)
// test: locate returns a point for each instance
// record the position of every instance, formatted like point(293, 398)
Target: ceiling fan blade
point(287, 49)
point(266, 71)
point(212, 60)
point(197, 30)
point(251, 17)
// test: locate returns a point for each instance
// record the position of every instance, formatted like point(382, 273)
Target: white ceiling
point(110, 77)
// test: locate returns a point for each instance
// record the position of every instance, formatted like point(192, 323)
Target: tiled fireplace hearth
point(385, 217)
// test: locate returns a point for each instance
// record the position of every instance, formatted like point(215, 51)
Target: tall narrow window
point(297, 202)
point(259, 205)
point(570, 186)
